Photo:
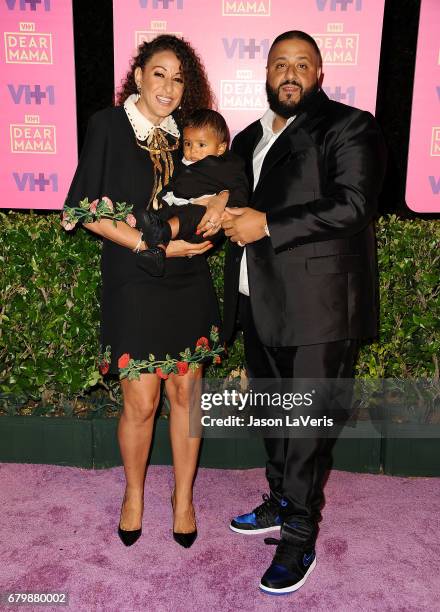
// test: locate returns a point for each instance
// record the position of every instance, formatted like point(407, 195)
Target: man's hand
point(181, 248)
point(244, 225)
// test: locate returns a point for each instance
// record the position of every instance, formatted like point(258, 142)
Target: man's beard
point(289, 109)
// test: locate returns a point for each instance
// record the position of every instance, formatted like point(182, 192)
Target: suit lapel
point(279, 148)
point(288, 140)
point(254, 139)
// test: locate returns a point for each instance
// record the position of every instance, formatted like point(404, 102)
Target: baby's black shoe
point(152, 261)
point(154, 229)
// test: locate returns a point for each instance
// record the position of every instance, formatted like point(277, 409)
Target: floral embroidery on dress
point(189, 360)
point(104, 361)
point(88, 212)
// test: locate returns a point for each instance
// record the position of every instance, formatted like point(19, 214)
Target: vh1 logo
point(246, 48)
point(29, 181)
point(434, 181)
point(339, 94)
point(32, 95)
point(161, 4)
point(23, 5)
point(335, 5)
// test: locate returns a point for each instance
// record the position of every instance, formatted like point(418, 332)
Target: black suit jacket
point(210, 175)
point(314, 280)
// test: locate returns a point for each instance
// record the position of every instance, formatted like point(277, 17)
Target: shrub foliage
point(49, 296)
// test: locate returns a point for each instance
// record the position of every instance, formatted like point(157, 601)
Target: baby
point(207, 168)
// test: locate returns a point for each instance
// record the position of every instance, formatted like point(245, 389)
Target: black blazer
point(210, 175)
point(314, 280)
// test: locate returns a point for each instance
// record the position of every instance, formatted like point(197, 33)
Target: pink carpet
point(378, 548)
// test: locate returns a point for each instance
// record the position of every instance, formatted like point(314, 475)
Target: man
point(303, 288)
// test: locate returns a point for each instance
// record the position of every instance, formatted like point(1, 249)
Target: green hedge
point(49, 296)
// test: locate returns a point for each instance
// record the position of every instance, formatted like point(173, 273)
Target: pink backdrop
point(423, 179)
point(38, 149)
point(233, 38)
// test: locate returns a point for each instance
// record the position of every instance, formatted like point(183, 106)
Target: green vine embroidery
point(132, 368)
point(88, 212)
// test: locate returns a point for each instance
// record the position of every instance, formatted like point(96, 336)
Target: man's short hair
point(299, 35)
point(205, 117)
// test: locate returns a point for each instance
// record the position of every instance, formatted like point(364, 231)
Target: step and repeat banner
point(233, 38)
point(37, 77)
point(423, 178)
point(38, 144)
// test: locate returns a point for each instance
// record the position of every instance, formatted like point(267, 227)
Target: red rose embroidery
point(93, 206)
point(203, 342)
point(123, 361)
point(161, 374)
point(217, 359)
point(182, 367)
point(104, 367)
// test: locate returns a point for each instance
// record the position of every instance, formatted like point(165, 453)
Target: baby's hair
point(205, 117)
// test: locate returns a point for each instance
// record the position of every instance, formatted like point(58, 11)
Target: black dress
point(150, 319)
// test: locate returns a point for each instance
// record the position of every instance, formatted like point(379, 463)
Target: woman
point(151, 328)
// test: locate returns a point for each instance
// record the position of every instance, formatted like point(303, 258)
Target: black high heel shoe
point(184, 539)
point(129, 536)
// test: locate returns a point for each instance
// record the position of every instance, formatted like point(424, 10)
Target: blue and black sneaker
point(262, 519)
point(292, 564)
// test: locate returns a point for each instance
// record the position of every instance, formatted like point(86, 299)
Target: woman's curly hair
point(197, 92)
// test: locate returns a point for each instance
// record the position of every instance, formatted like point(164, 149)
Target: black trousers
point(296, 468)
point(189, 217)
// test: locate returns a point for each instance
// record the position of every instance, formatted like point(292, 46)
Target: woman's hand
point(181, 248)
point(211, 220)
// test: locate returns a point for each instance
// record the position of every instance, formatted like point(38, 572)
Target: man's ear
point(222, 148)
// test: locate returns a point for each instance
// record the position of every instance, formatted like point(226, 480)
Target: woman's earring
point(139, 88)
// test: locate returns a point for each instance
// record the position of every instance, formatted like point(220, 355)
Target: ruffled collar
point(143, 127)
